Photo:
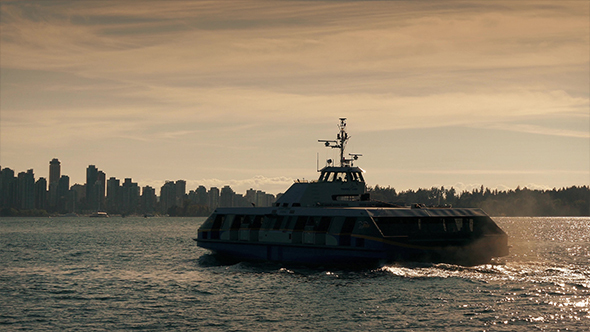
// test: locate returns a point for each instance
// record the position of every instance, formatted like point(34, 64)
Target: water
point(148, 274)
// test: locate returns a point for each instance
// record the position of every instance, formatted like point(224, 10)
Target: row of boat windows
point(394, 225)
point(389, 225)
point(341, 177)
point(295, 223)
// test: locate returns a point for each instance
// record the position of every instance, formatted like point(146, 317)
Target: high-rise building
point(130, 196)
point(26, 190)
point(226, 198)
point(54, 176)
point(101, 181)
point(167, 196)
point(91, 193)
point(63, 194)
point(41, 194)
point(8, 188)
point(78, 196)
point(251, 196)
point(95, 189)
point(54, 171)
point(148, 200)
point(113, 200)
point(180, 192)
point(213, 198)
point(201, 194)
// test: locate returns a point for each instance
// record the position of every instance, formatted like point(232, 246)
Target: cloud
point(203, 76)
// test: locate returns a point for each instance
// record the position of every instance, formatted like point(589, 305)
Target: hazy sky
point(436, 93)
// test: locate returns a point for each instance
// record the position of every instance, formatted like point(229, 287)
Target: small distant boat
point(99, 214)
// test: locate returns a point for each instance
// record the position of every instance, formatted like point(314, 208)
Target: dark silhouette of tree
point(572, 201)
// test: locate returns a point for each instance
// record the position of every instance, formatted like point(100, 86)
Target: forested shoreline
point(572, 201)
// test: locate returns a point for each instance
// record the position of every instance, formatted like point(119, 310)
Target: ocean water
point(125, 274)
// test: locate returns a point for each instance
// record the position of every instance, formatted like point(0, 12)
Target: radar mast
point(340, 143)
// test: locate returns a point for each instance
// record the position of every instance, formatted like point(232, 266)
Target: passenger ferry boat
point(333, 221)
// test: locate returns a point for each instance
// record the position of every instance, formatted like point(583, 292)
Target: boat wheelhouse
point(333, 221)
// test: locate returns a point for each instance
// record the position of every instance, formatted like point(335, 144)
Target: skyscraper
point(41, 194)
point(213, 198)
point(180, 192)
point(26, 190)
point(95, 188)
point(226, 198)
point(91, 194)
point(63, 193)
point(54, 176)
point(54, 171)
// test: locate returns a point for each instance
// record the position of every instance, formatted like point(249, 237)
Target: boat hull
point(373, 253)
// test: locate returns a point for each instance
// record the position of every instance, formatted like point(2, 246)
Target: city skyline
point(20, 191)
point(456, 94)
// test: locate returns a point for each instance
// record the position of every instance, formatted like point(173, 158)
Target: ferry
point(333, 221)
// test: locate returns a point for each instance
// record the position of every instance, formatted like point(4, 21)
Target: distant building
point(180, 186)
point(167, 196)
point(226, 198)
point(148, 200)
point(263, 199)
point(113, 199)
point(8, 188)
point(78, 196)
point(95, 188)
point(201, 196)
point(130, 196)
point(63, 194)
point(54, 176)
point(213, 198)
point(91, 192)
point(54, 171)
point(26, 190)
point(101, 189)
point(41, 194)
point(251, 196)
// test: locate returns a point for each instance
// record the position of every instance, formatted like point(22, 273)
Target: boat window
point(268, 221)
point(246, 220)
point(290, 222)
point(278, 222)
point(257, 222)
point(392, 226)
point(346, 198)
point(459, 223)
point(348, 177)
point(331, 177)
point(451, 225)
point(218, 221)
point(348, 225)
point(236, 222)
point(300, 223)
point(324, 176)
point(433, 225)
point(324, 224)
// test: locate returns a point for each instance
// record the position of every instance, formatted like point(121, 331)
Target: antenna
point(317, 161)
point(340, 143)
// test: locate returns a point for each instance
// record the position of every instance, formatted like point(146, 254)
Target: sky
point(455, 94)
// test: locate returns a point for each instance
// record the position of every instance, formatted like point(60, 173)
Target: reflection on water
point(148, 274)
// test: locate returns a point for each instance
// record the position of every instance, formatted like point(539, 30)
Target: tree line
point(572, 201)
